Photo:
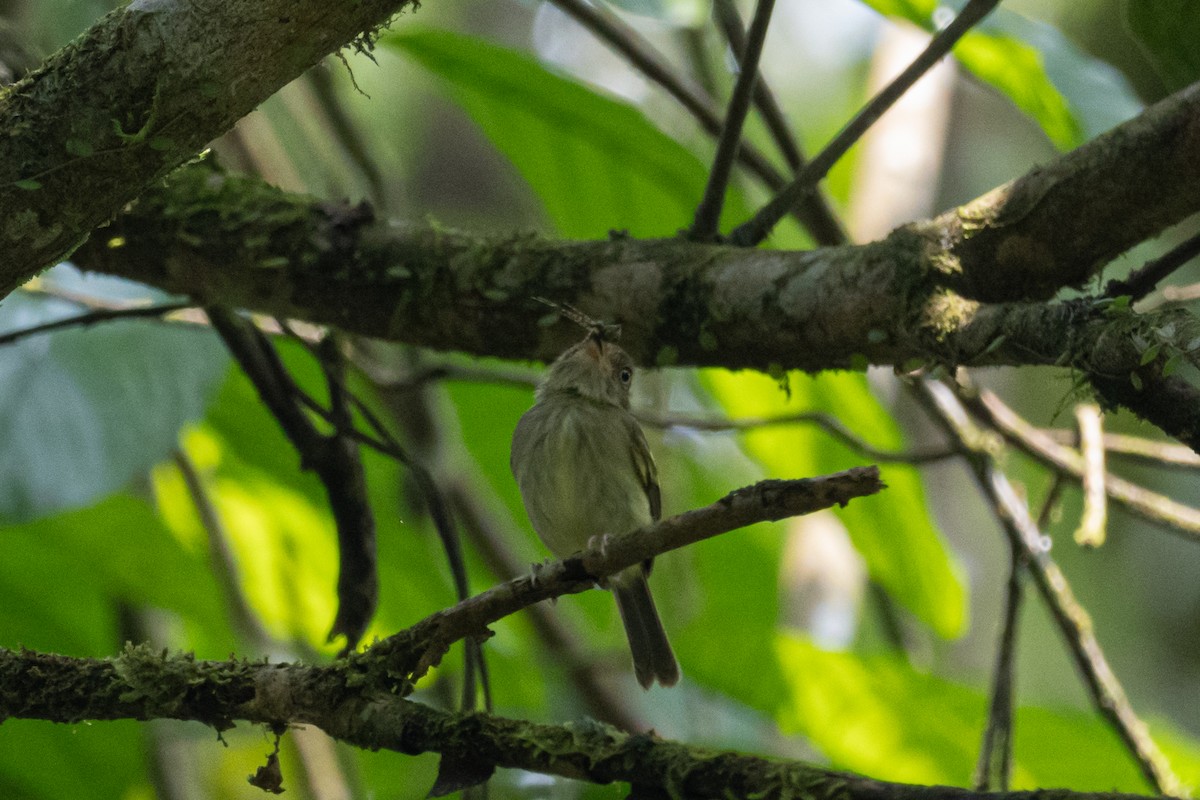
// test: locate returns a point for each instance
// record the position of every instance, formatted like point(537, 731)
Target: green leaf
point(62, 579)
point(596, 163)
point(280, 527)
point(1169, 31)
point(893, 530)
point(84, 412)
point(1071, 95)
point(879, 716)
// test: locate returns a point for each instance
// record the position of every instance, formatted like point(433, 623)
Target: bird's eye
point(626, 375)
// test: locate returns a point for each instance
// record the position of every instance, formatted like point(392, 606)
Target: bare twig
point(708, 213)
point(730, 21)
point(826, 422)
point(158, 310)
point(758, 227)
point(1136, 448)
point(413, 651)
point(1073, 621)
point(1092, 525)
point(1153, 272)
point(814, 213)
point(335, 460)
point(994, 767)
point(345, 130)
point(1152, 506)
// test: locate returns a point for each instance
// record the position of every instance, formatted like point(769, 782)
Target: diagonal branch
point(708, 213)
point(756, 229)
point(813, 212)
point(1072, 619)
point(1150, 505)
point(413, 651)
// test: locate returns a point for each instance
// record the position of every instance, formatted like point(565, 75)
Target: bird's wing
point(643, 464)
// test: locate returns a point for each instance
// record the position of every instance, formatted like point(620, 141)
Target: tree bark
point(138, 94)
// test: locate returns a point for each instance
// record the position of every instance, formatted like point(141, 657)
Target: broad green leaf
point(596, 163)
point(879, 716)
point(1097, 93)
point(893, 531)
point(82, 412)
point(62, 579)
point(40, 760)
point(1168, 30)
point(1013, 67)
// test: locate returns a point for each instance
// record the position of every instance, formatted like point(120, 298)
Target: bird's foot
point(536, 571)
point(599, 543)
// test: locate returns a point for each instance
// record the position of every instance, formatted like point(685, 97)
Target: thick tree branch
point(136, 95)
point(1059, 224)
point(679, 302)
point(141, 684)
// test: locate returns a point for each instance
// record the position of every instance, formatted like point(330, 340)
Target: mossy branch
point(143, 684)
point(140, 92)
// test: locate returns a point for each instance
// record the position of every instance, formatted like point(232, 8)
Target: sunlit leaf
point(893, 531)
point(878, 715)
point(1071, 95)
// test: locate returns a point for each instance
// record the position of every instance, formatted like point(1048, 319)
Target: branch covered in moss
point(139, 93)
point(142, 684)
point(888, 302)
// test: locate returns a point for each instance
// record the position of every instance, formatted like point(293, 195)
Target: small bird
point(585, 471)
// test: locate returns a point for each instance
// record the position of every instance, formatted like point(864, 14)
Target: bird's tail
point(653, 658)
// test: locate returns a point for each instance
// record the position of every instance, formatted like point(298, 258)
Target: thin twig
point(93, 317)
point(994, 768)
point(346, 131)
point(1145, 278)
point(826, 422)
point(334, 459)
point(1094, 520)
point(730, 22)
point(1136, 448)
point(528, 378)
point(708, 213)
point(758, 227)
point(814, 213)
point(1152, 506)
point(1072, 619)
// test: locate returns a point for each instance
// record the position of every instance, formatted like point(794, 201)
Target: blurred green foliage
point(103, 540)
point(1168, 30)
